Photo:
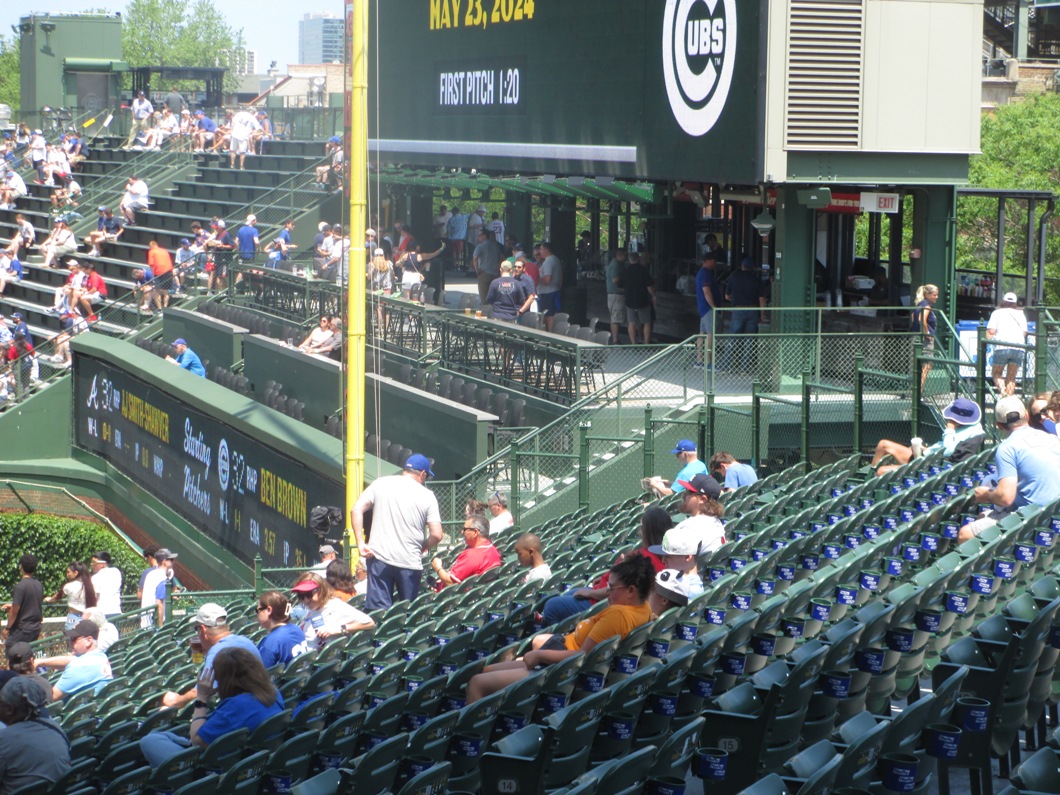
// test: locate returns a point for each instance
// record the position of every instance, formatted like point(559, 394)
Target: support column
point(561, 232)
point(421, 218)
point(934, 209)
point(795, 250)
point(519, 220)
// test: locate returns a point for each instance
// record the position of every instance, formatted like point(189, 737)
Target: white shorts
point(92, 298)
point(239, 146)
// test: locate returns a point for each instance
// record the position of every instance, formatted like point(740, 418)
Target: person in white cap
point(153, 591)
point(1028, 461)
point(670, 590)
point(680, 551)
point(1007, 323)
point(212, 631)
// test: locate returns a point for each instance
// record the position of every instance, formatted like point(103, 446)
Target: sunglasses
point(259, 608)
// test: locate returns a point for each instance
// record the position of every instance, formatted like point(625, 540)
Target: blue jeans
point(560, 608)
point(744, 322)
point(157, 747)
point(384, 578)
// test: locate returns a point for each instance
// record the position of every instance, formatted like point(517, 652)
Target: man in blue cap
point(187, 358)
point(401, 507)
point(690, 467)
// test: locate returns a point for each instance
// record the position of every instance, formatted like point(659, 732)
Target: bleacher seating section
point(203, 189)
point(839, 598)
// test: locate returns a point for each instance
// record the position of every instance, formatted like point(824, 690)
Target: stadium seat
point(432, 780)
point(376, 769)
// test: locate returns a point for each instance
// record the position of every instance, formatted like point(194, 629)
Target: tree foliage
point(10, 90)
point(1019, 147)
point(176, 33)
point(56, 542)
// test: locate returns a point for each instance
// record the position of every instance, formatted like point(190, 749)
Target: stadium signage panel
point(243, 494)
point(651, 89)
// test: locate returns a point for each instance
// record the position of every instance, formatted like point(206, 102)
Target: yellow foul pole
point(357, 140)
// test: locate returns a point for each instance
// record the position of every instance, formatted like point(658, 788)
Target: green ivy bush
point(56, 542)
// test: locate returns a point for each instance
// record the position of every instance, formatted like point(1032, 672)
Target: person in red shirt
point(160, 261)
point(478, 556)
point(93, 291)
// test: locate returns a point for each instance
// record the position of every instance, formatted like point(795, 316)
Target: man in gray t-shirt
point(402, 506)
point(487, 262)
point(549, 285)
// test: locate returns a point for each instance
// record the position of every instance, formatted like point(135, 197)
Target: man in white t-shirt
point(106, 581)
point(700, 501)
point(500, 517)
point(149, 595)
point(243, 126)
point(1007, 324)
point(529, 552)
point(402, 506)
point(441, 221)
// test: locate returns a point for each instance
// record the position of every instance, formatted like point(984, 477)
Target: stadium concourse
point(844, 639)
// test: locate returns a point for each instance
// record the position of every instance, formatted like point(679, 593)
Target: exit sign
point(881, 202)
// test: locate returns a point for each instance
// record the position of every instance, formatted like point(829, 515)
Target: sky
point(269, 26)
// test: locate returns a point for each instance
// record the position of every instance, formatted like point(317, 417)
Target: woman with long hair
point(628, 590)
point(653, 526)
point(285, 641)
point(328, 615)
point(247, 698)
point(78, 592)
point(341, 579)
point(924, 323)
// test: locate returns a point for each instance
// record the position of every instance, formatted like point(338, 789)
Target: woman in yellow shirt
point(628, 589)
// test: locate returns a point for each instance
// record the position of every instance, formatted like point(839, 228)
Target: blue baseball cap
point(335, 139)
point(179, 341)
point(684, 446)
point(419, 463)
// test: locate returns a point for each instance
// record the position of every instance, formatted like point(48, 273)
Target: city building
point(321, 37)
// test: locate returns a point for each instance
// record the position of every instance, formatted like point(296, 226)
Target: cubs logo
point(699, 55)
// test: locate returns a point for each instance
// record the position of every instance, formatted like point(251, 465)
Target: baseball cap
point(481, 208)
point(185, 242)
point(1010, 298)
point(163, 553)
point(327, 549)
point(71, 263)
point(419, 463)
point(200, 112)
point(369, 233)
point(16, 315)
point(669, 584)
point(676, 542)
point(1009, 409)
point(703, 484)
point(252, 218)
point(305, 586)
point(378, 253)
point(19, 652)
point(335, 139)
point(101, 209)
point(518, 247)
point(211, 615)
point(747, 262)
point(963, 412)
point(82, 629)
point(179, 341)
point(684, 446)
point(221, 224)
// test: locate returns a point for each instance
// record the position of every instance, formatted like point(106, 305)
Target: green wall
point(215, 341)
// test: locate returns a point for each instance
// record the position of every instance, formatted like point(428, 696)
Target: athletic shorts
point(616, 305)
point(548, 304)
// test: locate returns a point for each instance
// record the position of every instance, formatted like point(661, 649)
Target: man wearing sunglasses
point(479, 554)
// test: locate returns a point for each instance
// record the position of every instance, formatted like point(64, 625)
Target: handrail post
point(805, 443)
point(167, 605)
point(756, 416)
point(516, 502)
point(708, 442)
point(914, 409)
point(980, 365)
point(583, 463)
point(859, 394)
point(649, 442)
point(701, 422)
point(257, 575)
point(1041, 360)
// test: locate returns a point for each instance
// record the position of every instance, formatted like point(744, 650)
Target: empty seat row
point(512, 412)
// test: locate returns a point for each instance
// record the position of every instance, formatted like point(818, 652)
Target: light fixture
point(47, 27)
point(764, 224)
point(25, 27)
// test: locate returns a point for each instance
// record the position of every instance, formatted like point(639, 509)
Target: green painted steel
point(313, 380)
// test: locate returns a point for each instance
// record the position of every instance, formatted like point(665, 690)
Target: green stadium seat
point(376, 770)
point(268, 734)
point(176, 771)
point(219, 755)
point(625, 776)
point(294, 758)
point(244, 777)
point(338, 742)
point(432, 780)
point(325, 783)
point(131, 783)
point(432, 738)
